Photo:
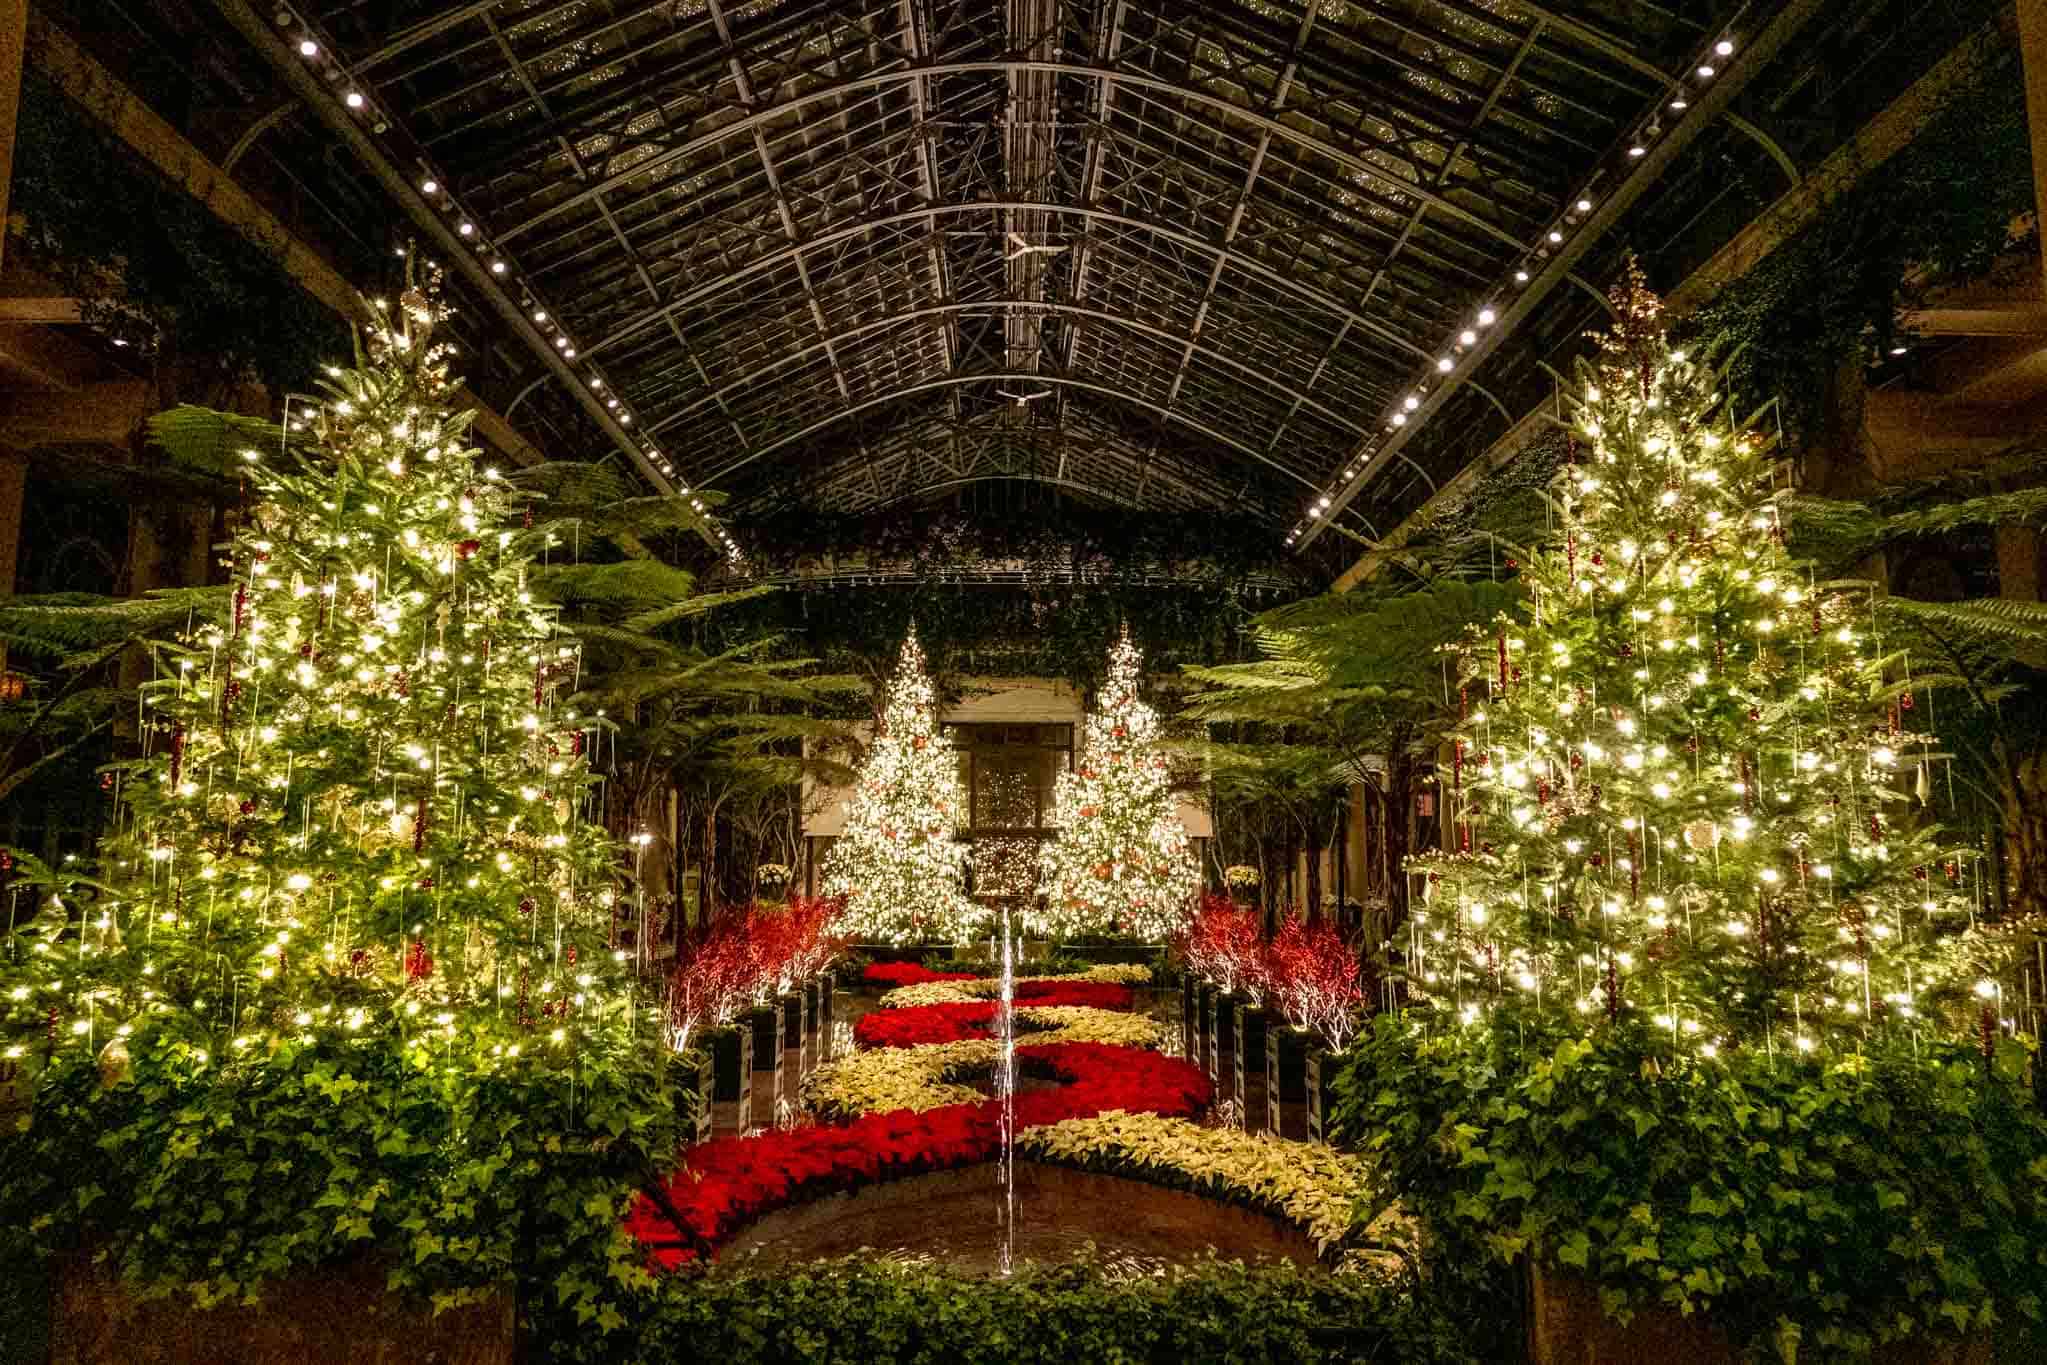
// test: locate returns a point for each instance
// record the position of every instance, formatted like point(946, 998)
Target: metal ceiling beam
point(632, 326)
point(907, 72)
point(262, 36)
point(1281, 89)
point(993, 306)
point(999, 376)
point(1555, 270)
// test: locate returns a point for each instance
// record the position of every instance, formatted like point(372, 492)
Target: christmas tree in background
point(361, 822)
point(896, 862)
point(1122, 863)
point(1672, 796)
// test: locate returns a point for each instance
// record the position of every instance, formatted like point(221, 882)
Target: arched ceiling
point(1179, 256)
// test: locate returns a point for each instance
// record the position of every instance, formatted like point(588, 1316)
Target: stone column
point(2018, 563)
point(13, 39)
point(2033, 50)
point(13, 490)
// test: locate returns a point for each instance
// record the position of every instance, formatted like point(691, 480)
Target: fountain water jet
point(1005, 1091)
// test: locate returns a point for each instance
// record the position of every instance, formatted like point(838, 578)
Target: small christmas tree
point(1122, 862)
point(1671, 796)
point(896, 864)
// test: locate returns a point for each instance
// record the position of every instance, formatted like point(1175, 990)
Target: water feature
point(1005, 1093)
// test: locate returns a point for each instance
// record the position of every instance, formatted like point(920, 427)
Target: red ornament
point(419, 963)
point(467, 548)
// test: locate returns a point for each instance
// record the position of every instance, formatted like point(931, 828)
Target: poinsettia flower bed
point(922, 1024)
point(907, 974)
point(988, 987)
point(729, 1182)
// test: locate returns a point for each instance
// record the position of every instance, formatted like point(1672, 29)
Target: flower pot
point(1250, 1069)
point(1286, 1080)
point(732, 1067)
point(332, 1314)
point(695, 1078)
point(1568, 1326)
point(764, 1027)
point(1320, 1071)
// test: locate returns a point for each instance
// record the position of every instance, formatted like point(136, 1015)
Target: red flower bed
point(729, 1182)
point(918, 1024)
point(907, 974)
point(925, 1024)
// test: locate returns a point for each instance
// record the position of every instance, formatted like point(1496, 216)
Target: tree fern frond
point(1999, 617)
point(694, 606)
point(632, 581)
point(208, 442)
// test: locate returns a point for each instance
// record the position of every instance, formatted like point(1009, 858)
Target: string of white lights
point(355, 96)
point(1578, 207)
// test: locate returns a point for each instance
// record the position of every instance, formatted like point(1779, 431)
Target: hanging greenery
point(1941, 208)
point(163, 271)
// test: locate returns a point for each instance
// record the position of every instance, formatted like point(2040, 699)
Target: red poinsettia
point(919, 1024)
point(731, 1181)
point(907, 974)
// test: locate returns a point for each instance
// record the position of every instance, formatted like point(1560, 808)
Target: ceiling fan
point(1020, 247)
point(1020, 399)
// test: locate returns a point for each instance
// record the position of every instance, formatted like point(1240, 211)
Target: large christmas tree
point(355, 863)
point(896, 862)
point(1122, 863)
point(1677, 791)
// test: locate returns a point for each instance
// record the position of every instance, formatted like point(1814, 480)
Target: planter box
point(827, 986)
point(764, 1026)
point(1222, 1043)
point(809, 1026)
point(1567, 1326)
point(1286, 1080)
point(1143, 954)
point(795, 1053)
point(1204, 1007)
point(1250, 1070)
point(732, 1065)
point(1321, 1070)
point(339, 1315)
point(1190, 1017)
point(695, 1077)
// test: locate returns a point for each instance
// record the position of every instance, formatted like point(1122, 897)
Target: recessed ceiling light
point(1446, 364)
point(1705, 73)
point(1467, 337)
point(429, 186)
point(1584, 206)
point(309, 48)
point(1487, 317)
point(540, 315)
point(353, 99)
point(1724, 47)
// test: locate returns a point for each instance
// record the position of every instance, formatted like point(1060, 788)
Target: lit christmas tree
point(356, 856)
point(1672, 797)
point(1122, 863)
point(896, 862)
